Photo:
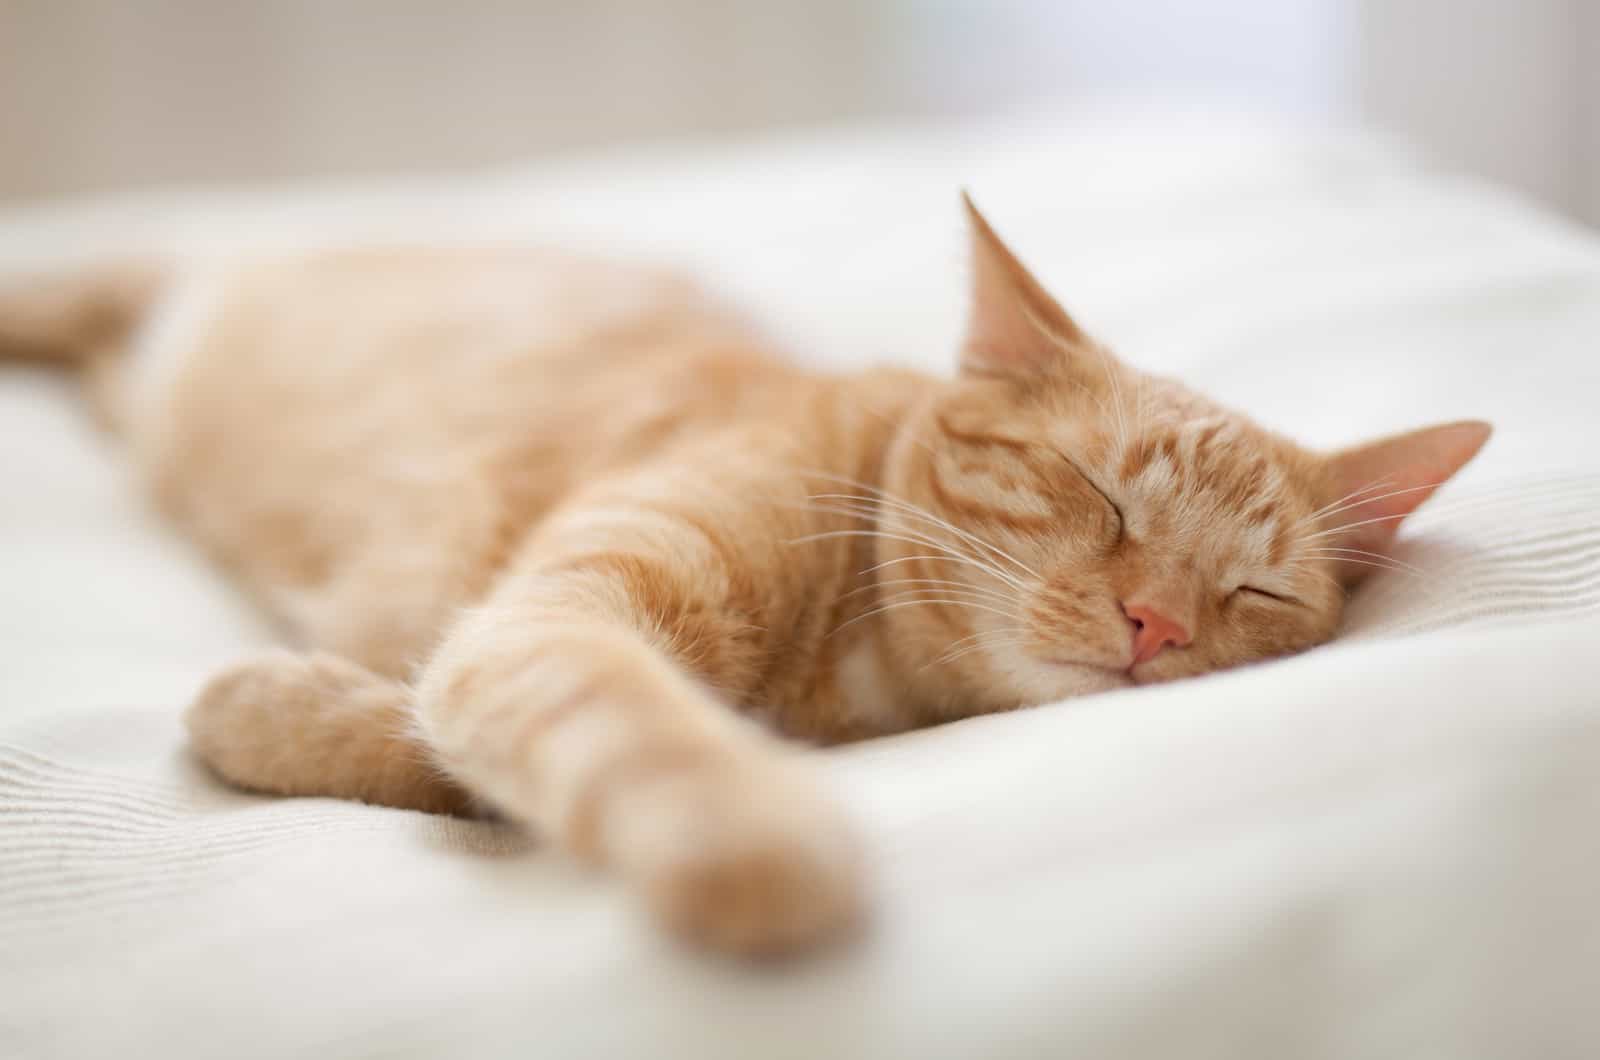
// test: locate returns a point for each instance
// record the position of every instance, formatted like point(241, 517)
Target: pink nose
point(1152, 631)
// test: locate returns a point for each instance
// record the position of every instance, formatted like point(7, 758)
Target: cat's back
point(466, 330)
point(307, 417)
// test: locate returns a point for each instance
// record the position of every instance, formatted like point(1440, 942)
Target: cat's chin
point(1061, 679)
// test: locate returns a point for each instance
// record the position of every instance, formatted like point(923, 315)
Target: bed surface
point(1387, 847)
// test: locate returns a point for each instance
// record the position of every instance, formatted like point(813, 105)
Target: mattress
point(1385, 847)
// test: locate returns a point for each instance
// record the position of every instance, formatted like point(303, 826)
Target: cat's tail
point(72, 317)
point(83, 319)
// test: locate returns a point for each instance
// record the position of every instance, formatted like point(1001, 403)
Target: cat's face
point(1104, 527)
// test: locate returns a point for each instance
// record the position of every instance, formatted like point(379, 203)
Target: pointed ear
point(1372, 488)
point(1015, 330)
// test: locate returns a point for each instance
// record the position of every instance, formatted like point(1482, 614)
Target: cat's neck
point(887, 674)
point(866, 684)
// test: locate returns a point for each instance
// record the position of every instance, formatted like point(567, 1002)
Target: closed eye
point(1103, 495)
point(1254, 590)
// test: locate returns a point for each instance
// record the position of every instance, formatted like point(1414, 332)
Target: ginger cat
point(552, 534)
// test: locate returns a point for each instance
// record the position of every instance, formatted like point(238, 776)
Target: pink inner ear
point(1373, 487)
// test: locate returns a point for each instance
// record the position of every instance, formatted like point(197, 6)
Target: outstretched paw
point(316, 724)
point(749, 863)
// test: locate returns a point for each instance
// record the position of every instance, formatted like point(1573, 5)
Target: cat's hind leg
point(318, 724)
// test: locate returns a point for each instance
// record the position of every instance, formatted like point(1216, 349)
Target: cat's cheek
point(1060, 613)
point(1250, 634)
point(1083, 522)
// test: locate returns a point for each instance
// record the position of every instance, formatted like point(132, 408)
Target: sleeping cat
point(568, 540)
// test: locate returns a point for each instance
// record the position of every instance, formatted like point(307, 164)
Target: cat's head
point(1102, 527)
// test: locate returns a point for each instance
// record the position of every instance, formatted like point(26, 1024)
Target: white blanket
point(1388, 847)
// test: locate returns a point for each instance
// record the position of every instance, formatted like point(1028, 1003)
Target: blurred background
point(103, 95)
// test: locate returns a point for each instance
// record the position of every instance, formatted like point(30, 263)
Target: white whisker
point(1325, 509)
point(1370, 500)
point(1347, 527)
point(1069, 347)
point(951, 595)
point(912, 509)
point(947, 548)
point(917, 603)
point(919, 537)
point(951, 657)
point(949, 556)
point(1365, 563)
point(903, 559)
point(972, 638)
point(944, 582)
point(1380, 566)
point(1337, 552)
point(1138, 408)
point(960, 641)
point(1116, 397)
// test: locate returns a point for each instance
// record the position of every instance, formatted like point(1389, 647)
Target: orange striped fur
point(569, 540)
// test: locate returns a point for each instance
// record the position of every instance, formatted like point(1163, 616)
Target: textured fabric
point(1386, 847)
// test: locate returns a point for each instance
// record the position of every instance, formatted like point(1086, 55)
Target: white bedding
point(1388, 847)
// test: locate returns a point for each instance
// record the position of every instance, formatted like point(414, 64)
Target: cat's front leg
point(566, 716)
